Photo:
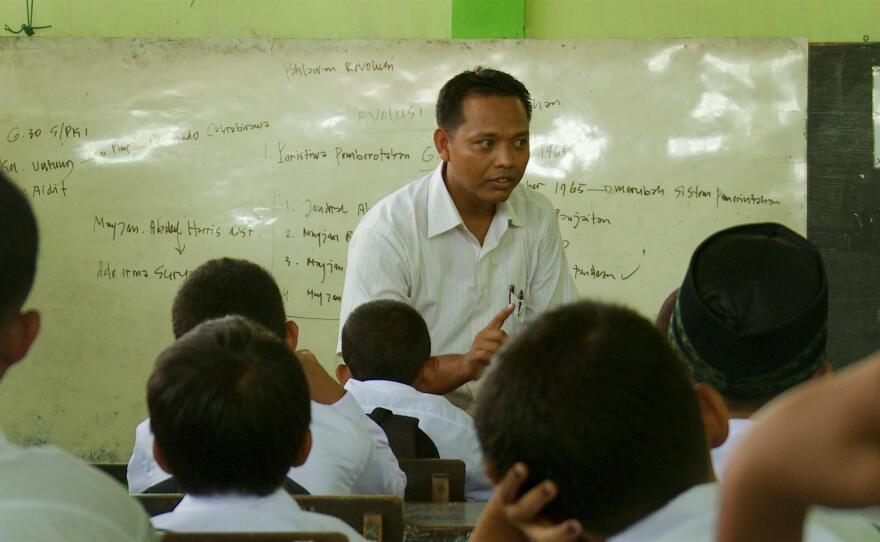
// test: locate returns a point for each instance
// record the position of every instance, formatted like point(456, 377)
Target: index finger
point(499, 319)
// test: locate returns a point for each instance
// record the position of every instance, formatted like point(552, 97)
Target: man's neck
point(477, 215)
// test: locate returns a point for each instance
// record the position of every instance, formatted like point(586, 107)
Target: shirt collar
point(443, 215)
point(737, 426)
point(382, 386)
point(280, 499)
point(508, 210)
point(698, 501)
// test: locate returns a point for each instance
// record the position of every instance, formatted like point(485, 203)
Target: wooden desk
point(451, 522)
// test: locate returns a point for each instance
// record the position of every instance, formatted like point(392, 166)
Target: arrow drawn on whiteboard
point(179, 248)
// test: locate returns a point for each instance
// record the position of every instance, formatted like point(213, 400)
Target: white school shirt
point(277, 512)
point(451, 428)
point(738, 427)
point(692, 517)
point(344, 458)
point(413, 247)
point(47, 494)
point(381, 474)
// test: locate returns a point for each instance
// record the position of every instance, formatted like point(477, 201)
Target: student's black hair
point(18, 247)
point(385, 340)
point(480, 81)
point(229, 407)
point(592, 397)
point(229, 286)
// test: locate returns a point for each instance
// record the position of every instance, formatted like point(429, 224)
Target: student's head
point(750, 317)
point(483, 134)
point(229, 408)
point(18, 262)
point(230, 286)
point(592, 397)
point(386, 340)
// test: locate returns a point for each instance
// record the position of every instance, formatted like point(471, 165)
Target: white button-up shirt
point(451, 428)
point(413, 247)
point(345, 459)
point(738, 427)
point(277, 512)
point(47, 494)
point(693, 515)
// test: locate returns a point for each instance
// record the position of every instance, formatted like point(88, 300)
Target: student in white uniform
point(350, 453)
point(229, 407)
point(751, 319)
point(387, 350)
point(592, 398)
point(816, 444)
point(45, 493)
point(463, 242)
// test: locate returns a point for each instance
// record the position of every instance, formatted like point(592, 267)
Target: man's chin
point(497, 193)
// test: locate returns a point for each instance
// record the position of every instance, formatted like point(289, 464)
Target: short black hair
point(18, 247)
point(480, 81)
point(385, 340)
point(592, 397)
point(229, 286)
point(229, 407)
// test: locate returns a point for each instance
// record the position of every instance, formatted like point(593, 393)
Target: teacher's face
point(487, 154)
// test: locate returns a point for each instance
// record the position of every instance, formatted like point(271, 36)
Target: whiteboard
point(144, 158)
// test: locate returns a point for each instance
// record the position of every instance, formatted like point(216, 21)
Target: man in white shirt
point(229, 407)
point(350, 453)
point(45, 493)
point(387, 350)
point(614, 423)
point(751, 319)
point(464, 242)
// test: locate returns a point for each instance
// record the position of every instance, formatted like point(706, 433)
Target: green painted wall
point(416, 19)
point(818, 20)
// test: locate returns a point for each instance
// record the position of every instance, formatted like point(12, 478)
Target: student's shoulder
point(440, 407)
point(49, 478)
point(328, 416)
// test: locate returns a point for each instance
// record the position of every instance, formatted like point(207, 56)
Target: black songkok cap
point(751, 314)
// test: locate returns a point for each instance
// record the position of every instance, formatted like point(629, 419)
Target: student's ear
point(304, 450)
point(428, 375)
point(343, 373)
point(441, 143)
point(160, 459)
point(292, 338)
point(714, 413)
point(17, 337)
point(826, 369)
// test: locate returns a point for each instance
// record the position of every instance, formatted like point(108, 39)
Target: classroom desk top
point(451, 522)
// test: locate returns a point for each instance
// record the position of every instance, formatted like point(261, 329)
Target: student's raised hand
point(510, 518)
point(818, 444)
point(322, 387)
point(486, 343)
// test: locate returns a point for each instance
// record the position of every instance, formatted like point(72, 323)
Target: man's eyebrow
point(524, 133)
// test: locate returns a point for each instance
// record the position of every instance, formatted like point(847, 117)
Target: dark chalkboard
point(843, 193)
